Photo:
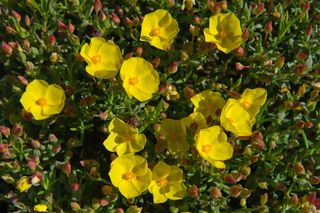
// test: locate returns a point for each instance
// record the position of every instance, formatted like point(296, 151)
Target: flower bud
point(245, 170)
point(71, 28)
point(173, 67)
point(54, 57)
point(156, 62)
point(279, 62)
point(264, 199)
point(138, 51)
point(245, 34)
point(308, 124)
point(115, 18)
point(104, 202)
point(260, 9)
point(75, 206)
point(26, 44)
point(223, 5)
point(17, 130)
point(300, 68)
point(128, 22)
point(62, 26)
point(305, 6)
point(240, 67)
point(97, 5)
point(36, 178)
point(119, 10)
point(193, 191)
point(243, 202)
point(298, 168)
point(233, 177)
point(136, 21)
point(215, 193)
point(32, 164)
point(6, 48)
point(236, 190)
point(5, 131)
point(75, 187)
point(309, 31)
point(10, 30)
point(102, 16)
point(268, 27)
point(245, 193)
point(239, 52)
point(119, 210)
point(67, 168)
point(52, 40)
point(16, 15)
point(36, 144)
point(107, 190)
point(300, 124)
point(56, 149)
point(294, 199)
point(27, 21)
point(197, 20)
point(184, 56)
point(263, 185)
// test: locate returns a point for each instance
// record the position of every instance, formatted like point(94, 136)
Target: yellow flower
point(139, 78)
point(212, 146)
point(43, 100)
point(166, 183)
point(131, 175)
point(159, 29)
point(224, 31)
point(23, 184)
point(40, 208)
point(235, 118)
point(175, 135)
point(252, 99)
point(103, 58)
point(208, 103)
point(195, 121)
point(123, 138)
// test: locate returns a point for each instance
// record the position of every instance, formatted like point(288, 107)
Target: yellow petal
point(176, 192)
point(40, 208)
point(55, 96)
point(95, 44)
point(37, 88)
point(128, 190)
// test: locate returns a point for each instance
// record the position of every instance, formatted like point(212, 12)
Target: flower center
point(246, 104)
point(126, 138)
point(224, 34)
point(133, 81)
point(207, 148)
point(155, 32)
point(41, 102)
point(162, 182)
point(128, 176)
point(96, 59)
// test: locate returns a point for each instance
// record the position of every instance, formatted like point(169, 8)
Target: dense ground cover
point(159, 106)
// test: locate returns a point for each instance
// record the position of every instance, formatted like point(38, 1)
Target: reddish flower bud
point(305, 6)
point(52, 40)
point(312, 197)
point(115, 18)
point(239, 52)
point(104, 202)
point(6, 48)
point(294, 199)
point(308, 124)
point(302, 56)
point(26, 44)
point(4, 148)
point(97, 5)
point(75, 187)
point(300, 68)
point(56, 149)
point(298, 168)
point(260, 9)
point(138, 51)
point(235, 190)
point(193, 191)
point(223, 5)
point(215, 193)
point(189, 92)
point(309, 31)
point(102, 16)
point(10, 30)
point(240, 67)
point(233, 177)
point(17, 130)
point(67, 168)
point(173, 68)
point(217, 7)
point(300, 124)
point(36, 144)
point(268, 27)
point(32, 164)
point(62, 26)
point(27, 21)
point(314, 180)
point(16, 15)
point(5, 130)
point(119, 210)
point(197, 20)
point(52, 138)
point(71, 28)
point(156, 62)
point(279, 62)
point(128, 22)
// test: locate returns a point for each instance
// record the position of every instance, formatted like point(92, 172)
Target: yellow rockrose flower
point(252, 100)
point(224, 31)
point(175, 135)
point(103, 58)
point(123, 138)
point(166, 183)
point(159, 29)
point(139, 78)
point(130, 173)
point(212, 146)
point(23, 184)
point(40, 208)
point(195, 121)
point(43, 100)
point(209, 103)
point(235, 118)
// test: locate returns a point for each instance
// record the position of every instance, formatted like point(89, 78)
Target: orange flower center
point(96, 59)
point(41, 102)
point(133, 81)
point(207, 148)
point(224, 34)
point(128, 176)
point(162, 182)
point(246, 104)
point(155, 32)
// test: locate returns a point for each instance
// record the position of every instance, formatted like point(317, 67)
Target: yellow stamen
point(133, 81)
point(224, 34)
point(96, 59)
point(246, 104)
point(207, 148)
point(128, 176)
point(41, 102)
point(162, 182)
point(155, 32)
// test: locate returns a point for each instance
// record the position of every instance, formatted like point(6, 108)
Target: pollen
point(41, 102)
point(133, 81)
point(128, 176)
point(207, 148)
point(155, 32)
point(246, 104)
point(162, 182)
point(96, 59)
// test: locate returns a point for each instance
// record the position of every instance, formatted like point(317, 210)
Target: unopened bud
point(75, 206)
point(54, 57)
point(128, 22)
point(305, 6)
point(52, 40)
point(52, 138)
point(16, 15)
point(5, 131)
point(260, 9)
point(300, 68)
point(298, 168)
point(309, 31)
point(173, 67)
point(138, 51)
point(36, 144)
point(308, 124)
point(10, 30)
point(104, 202)
point(32, 164)
point(215, 193)
point(184, 56)
point(245, 170)
point(26, 44)
point(193, 191)
point(17, 130)
point(115, 18)
point(27, 21)
point(119, 210)
point(71, 28)
point(264, 199)
point(67, 168)
point(119, 10)
point(107, 190)
point(245, 34)
point(268, 27)
point(235, 190)
point(156, 62)
point(102, 16)
point(136, 21)
point(279, 62)
point(239, 66)
point(62, 26)
point(75, 187)
point(6, 48)
point(97, 5)
point(294, 199)
point(239, 52)
point(223, 5)
point(197, 20)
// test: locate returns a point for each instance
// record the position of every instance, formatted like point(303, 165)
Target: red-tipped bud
point(17, 130)
point(71, 28)
point(62, 26)
point(233, 177)
point(279, 62)
point(16, 15)
point(138, 51)
point(245, 34)
point(97, 5)
point(52, 40)
point(197, 20)
point(156, 62)
point(6, 48)
point(314, 180)
point(240, 67)
point(305, 6)
point(235, 190)
point(300, 68)
point(102, 16)
point(239, 52)
point(104, 202)
point(260, 9)
point(308, 124)
point(298, 168)
point(4, 148)
point(115, 18)
point(52, 138)
point(27, 21)
point(26, 44)
point(268, 27)
point(193, 191)
point(10, 30)
point(67, 168)
point(32, 164)
point(173, 68)
point(309, 31)
point(75, 187)
point(36, 144)
point(128, 22)
point(215, 193)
